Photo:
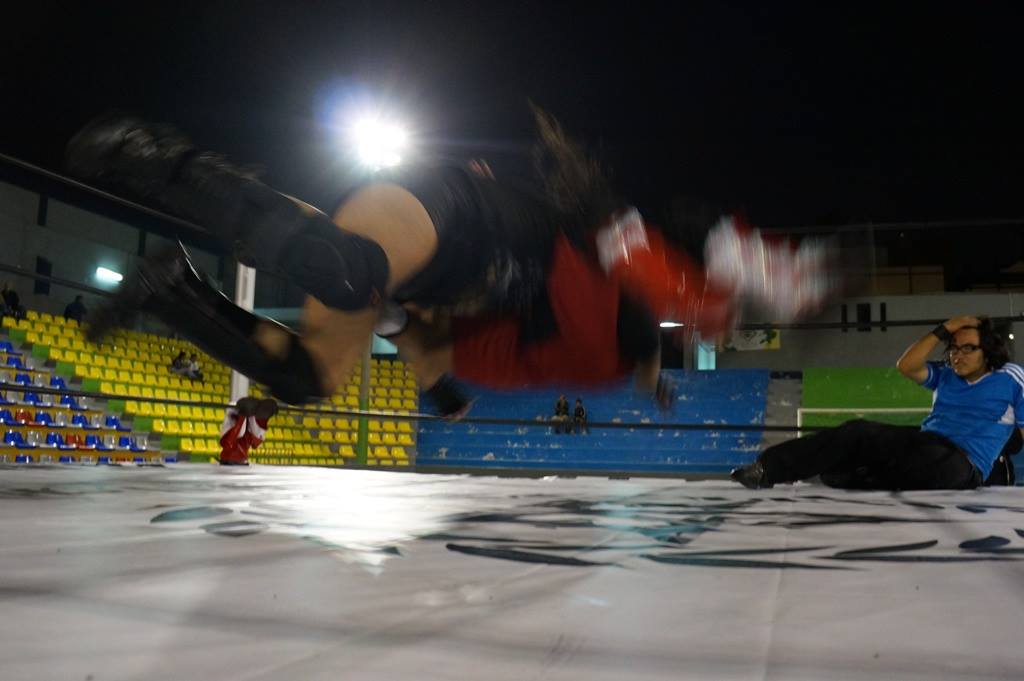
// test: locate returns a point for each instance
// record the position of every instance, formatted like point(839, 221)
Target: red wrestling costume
point(243, 429)
point(586, 295)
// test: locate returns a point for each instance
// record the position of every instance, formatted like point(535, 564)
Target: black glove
point(448, 399)
point(665, 393)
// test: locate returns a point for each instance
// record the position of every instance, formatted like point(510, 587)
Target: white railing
point(853, 410)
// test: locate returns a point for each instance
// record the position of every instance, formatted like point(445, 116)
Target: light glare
point(670, 325)
point(378, 143)
point(110, 276)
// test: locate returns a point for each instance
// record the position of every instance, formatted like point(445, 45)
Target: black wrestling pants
point(870, 455)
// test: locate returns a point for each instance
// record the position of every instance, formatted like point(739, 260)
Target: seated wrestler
point(978, 400)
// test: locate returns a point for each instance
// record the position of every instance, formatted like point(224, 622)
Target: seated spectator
point(579, 418)
point(192, 368)
point(76, 310)
point(561, 417)
point(12, 303)
point(978, 399)
point(179, 365)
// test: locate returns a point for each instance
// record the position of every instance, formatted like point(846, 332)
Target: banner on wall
point(761, 339)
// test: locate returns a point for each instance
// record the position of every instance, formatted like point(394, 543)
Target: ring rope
point(416, 416)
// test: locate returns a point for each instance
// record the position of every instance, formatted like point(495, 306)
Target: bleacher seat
point(114, 422)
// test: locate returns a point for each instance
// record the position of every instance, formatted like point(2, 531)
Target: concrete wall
point(827, 348)
point(75, 241)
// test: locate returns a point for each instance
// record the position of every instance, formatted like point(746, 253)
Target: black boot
point(267, 230)
point(753, 476)
point(171, 288)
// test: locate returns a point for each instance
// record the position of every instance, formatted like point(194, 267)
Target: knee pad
point(340, 269)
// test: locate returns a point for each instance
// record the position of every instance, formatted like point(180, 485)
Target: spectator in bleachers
point(978, 399)
point(192, 369)
point(12, 302)
point(179, 365)
point(76, 309)
point(579, 418)
point(561, 416)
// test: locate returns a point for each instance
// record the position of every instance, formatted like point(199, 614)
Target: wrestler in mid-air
point(521, 269)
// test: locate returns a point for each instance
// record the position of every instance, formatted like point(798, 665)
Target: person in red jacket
point(244, 427)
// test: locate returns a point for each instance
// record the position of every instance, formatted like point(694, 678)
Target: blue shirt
point(978, 417)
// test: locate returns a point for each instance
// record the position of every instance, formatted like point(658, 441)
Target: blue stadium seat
point(44, 418)
point(6, 416)
point(114, 422)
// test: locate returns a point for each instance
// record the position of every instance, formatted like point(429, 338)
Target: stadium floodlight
point(670, 325)
point(108, 276)
point(379, 143)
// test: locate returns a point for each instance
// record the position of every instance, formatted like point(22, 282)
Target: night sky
point(796, 114)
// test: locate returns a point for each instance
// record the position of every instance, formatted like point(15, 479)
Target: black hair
point(574, 177)
point(991, 342)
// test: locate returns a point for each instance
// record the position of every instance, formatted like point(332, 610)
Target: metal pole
point(245, 296)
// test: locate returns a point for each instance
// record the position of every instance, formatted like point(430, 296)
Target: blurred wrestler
point(441, 237)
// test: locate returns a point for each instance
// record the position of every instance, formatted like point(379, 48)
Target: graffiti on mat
point(665, 531)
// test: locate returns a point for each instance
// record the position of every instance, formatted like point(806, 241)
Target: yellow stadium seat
point(134, 391)
point(31, 314)
point(146, 408)
point(409, 405)
point(159, 426)
point(399, 453)
point(381, 452)
point(107, 388)
point(9, 322)
point(342, 436)
point(389, 439)
point(131, 407)
point(186, 427)
point(326, 436)
point(347, 452)
point(308, 422)
point(173, 411)
point(373, 438)
point(121, 389)
point(147, 392)
point(395, 403)
point(173, 395)
point(173, 427)
point(352, 401)
point(374, 424)
point(187, 445)
point(326, 422)
point(404, 427)
point(405, 439)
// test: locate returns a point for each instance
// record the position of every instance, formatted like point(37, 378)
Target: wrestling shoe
point(753, 476)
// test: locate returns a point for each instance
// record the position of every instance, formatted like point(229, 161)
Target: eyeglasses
point(962, 349)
